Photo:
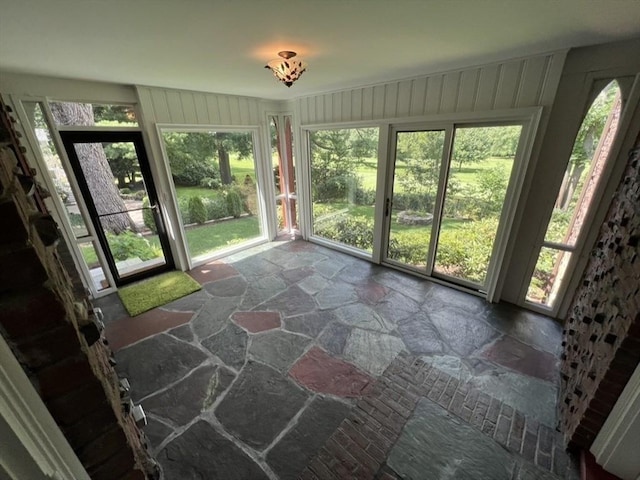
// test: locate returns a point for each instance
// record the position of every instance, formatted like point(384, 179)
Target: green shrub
point(139, 195)
point(197, 210)
point(339, 187)
point(354, 231)
point(209, 182)
point(216, 208)
point(409, 247)
point(125, 191)
point(234, 203)
point(418, 202)
point(147, 216)
point(183, 208)
point(128, 245)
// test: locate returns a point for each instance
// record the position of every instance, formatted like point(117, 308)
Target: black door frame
point(69, 138)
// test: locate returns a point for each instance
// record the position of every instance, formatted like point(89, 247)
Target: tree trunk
point(95, 168)
point(225, 167)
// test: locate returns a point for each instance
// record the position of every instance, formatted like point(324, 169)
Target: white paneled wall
point(161, 105)
point(527, 82)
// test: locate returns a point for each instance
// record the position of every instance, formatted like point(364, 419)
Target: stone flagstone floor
point(249, 377)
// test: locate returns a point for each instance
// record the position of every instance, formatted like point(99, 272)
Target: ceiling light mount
point(286, 68)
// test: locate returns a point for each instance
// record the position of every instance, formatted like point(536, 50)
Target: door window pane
point(577, 194)
point(479, 172)
point(415, 187)
point(343, 185)
point(215, 182)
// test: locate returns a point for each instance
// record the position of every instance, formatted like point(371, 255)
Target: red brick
point(31, 313)
point(21, 270)
point(91, 426)
point(135, 475)
point(353, 434)
point(70, 408)
point(321, 470)
point(116, 466)
point(102, 448)
point(50, 347)
point(64, 377)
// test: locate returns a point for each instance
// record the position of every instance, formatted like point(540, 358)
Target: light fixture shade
point(287, 69)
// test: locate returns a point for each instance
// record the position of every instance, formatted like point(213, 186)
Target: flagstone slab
point(262, 289)
point(214, 315)
point(363, 316)
point(229, 345)
point(156, 431)
point(191, 303)
point(194, 394)
point(128, 330)
point(183, 333)
point(420, 335)
point(256, 322)
point(462, 332)
point(259, 405)
point(292, 302)
point(515, 355)
point(322, 373)
point(372, 351)
point(358, 272)
point(211, 272)
point(228, 287)
point(156, 362)
point(330, 267)
point(307, 259)
point(436, 444)
point(414, 288)
point(310, 324)
point(183, 458)
point(313, 284)
point(336, 294)
point(396, 307)
point(278, 349)
point(334, 338)
point(317, 422)
point(297, 274)
point(371, 292)
point(255, 266)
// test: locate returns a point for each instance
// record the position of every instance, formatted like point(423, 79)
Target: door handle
point(387, 207)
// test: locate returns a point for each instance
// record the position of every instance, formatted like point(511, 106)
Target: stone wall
point(602, 332)
point(49, 324)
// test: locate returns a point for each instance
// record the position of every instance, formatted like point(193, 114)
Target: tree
point(586, 142)
point(471, 145)
point(95, 167)
point(123, 161)
point(421, 152)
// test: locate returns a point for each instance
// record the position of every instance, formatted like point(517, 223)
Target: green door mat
point(156, 291)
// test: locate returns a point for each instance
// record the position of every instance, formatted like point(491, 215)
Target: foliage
point(131, 245)
point(197, 210)
point(409, 247)
point(123, 161)
point(147, 216)
point(421, 154)
point(356, 231)
point(216, 207)
point(211, 183)
point(234, 203)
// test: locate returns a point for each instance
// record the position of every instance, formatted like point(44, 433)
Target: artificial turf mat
point(153, 292)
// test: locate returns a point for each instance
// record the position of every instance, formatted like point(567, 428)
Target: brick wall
point(48, 322)
point(602, 332)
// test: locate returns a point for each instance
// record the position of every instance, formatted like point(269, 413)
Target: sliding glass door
point(445, 199)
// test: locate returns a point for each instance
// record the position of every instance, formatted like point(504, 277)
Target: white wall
point(527, 82)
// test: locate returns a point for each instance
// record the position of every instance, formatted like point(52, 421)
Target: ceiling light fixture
point(287, 69)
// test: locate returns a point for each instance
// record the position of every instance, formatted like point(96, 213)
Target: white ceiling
point(222, 45)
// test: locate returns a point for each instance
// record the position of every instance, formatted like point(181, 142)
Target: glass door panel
point(343, 185)
point(478, 175)
point(214, 178)
point(113, 176)
point(412, 205)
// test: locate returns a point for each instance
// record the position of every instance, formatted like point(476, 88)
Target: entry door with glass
point(113, 174)
point(445, 200)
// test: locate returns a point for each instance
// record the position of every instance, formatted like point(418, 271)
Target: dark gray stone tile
point(156, 431)
point(229, 345)
point(372, 351)
point(111, 306)
point(397, 307)
point(202, 453)
point(183, 332)
point(310, 324)
point(335, 295)
point(529, 471)
point(455, 449)
point(227, 287)
point(295, 275)
point(358, 272)
point(290, 303)
point(330, 267)
point(334, 338)
point(462, 332)
point(262, 289)
point(306, 259)
point(185, 400)
point(292, 453)
point(214, 315)
point(156, 362)
point(278, 349)
point(259, 405)
point(414, 288)
point(420, 336)
point(363, 316)
point(190, 303)
point(255, 266)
